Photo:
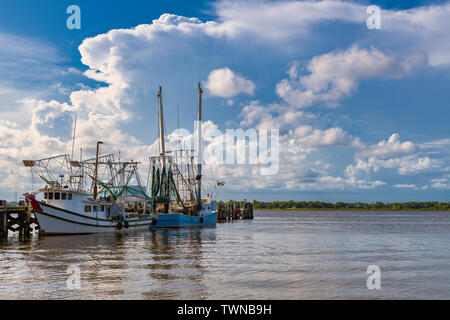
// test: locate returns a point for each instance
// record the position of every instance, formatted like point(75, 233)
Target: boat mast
point(178, 145)
point(82, 180)
point(162, 148)
point(96, 170)
point(199, 148)
point(74, 132)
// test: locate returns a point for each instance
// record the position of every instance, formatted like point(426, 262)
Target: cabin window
point(95, 209)
point(63, 196)
point(69, 196)
point(87, 208)
point(45, 195)
point(57, 196)
point(50, 196)
point(102, 208)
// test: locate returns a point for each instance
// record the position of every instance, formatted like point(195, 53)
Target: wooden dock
point(16, 219)
point(234, 211)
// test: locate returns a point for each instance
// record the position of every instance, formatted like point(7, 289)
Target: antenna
point(96, 170)
point(178, 144)
point(178, 128)
point(74, 132)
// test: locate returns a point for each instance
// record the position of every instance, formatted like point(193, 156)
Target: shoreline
point(348, 209)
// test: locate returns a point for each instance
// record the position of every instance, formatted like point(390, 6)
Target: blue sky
point(363, 113)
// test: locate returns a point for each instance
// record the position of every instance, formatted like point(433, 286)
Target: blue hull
point(181, 220)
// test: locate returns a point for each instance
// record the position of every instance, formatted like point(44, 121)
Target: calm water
point(279, 255)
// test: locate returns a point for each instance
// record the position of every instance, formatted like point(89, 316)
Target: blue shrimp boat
point(177, 220)
point(176, 189)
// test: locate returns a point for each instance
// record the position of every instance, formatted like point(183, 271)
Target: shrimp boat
point(102, 195)
point(68, 208)
point(176, 189)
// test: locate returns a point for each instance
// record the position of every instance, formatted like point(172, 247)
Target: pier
point(234, 211)
point(17, 218)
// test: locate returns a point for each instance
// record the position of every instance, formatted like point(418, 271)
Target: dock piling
point(17, 219)
point(234, 211)
point(3, 220)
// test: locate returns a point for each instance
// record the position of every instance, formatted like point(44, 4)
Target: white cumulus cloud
point(336, 75)
point(391, 148)
point(225, 83)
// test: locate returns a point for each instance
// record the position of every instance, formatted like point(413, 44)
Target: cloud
point(127, 60)
point(296, 126)
point(282, 20)
point(18, 49)
point(404, 186)
point(441, 183)
point(410, 186)
point(336, 75)
point(321, 138)
point(406, 157)
point(31, 69)
point(296, 174)
point(390, 148)
point(175, 51)
point(29, 64)
point(273, 116)
point(423, 28)
point(225, 83)
point(404, 165)
point(282, 24)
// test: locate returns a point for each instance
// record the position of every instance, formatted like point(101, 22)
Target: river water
point(278, 255)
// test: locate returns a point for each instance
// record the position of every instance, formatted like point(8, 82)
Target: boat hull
point(181, 220)
point(55, 221)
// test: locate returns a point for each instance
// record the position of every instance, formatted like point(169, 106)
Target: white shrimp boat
point(67, 209)
point(69, 212)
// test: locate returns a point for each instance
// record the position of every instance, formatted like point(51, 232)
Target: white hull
point(56, 221)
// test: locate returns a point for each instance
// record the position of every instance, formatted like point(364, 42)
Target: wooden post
point(3, 220)
point(220, 212)
point(3, 226)
point(28, 220)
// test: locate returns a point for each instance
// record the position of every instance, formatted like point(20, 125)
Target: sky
point(362, 113)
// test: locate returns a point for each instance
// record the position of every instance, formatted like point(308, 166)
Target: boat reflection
point(159, 264)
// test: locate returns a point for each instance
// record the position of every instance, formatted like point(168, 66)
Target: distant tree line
point(238, 203)
point(316, 205)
